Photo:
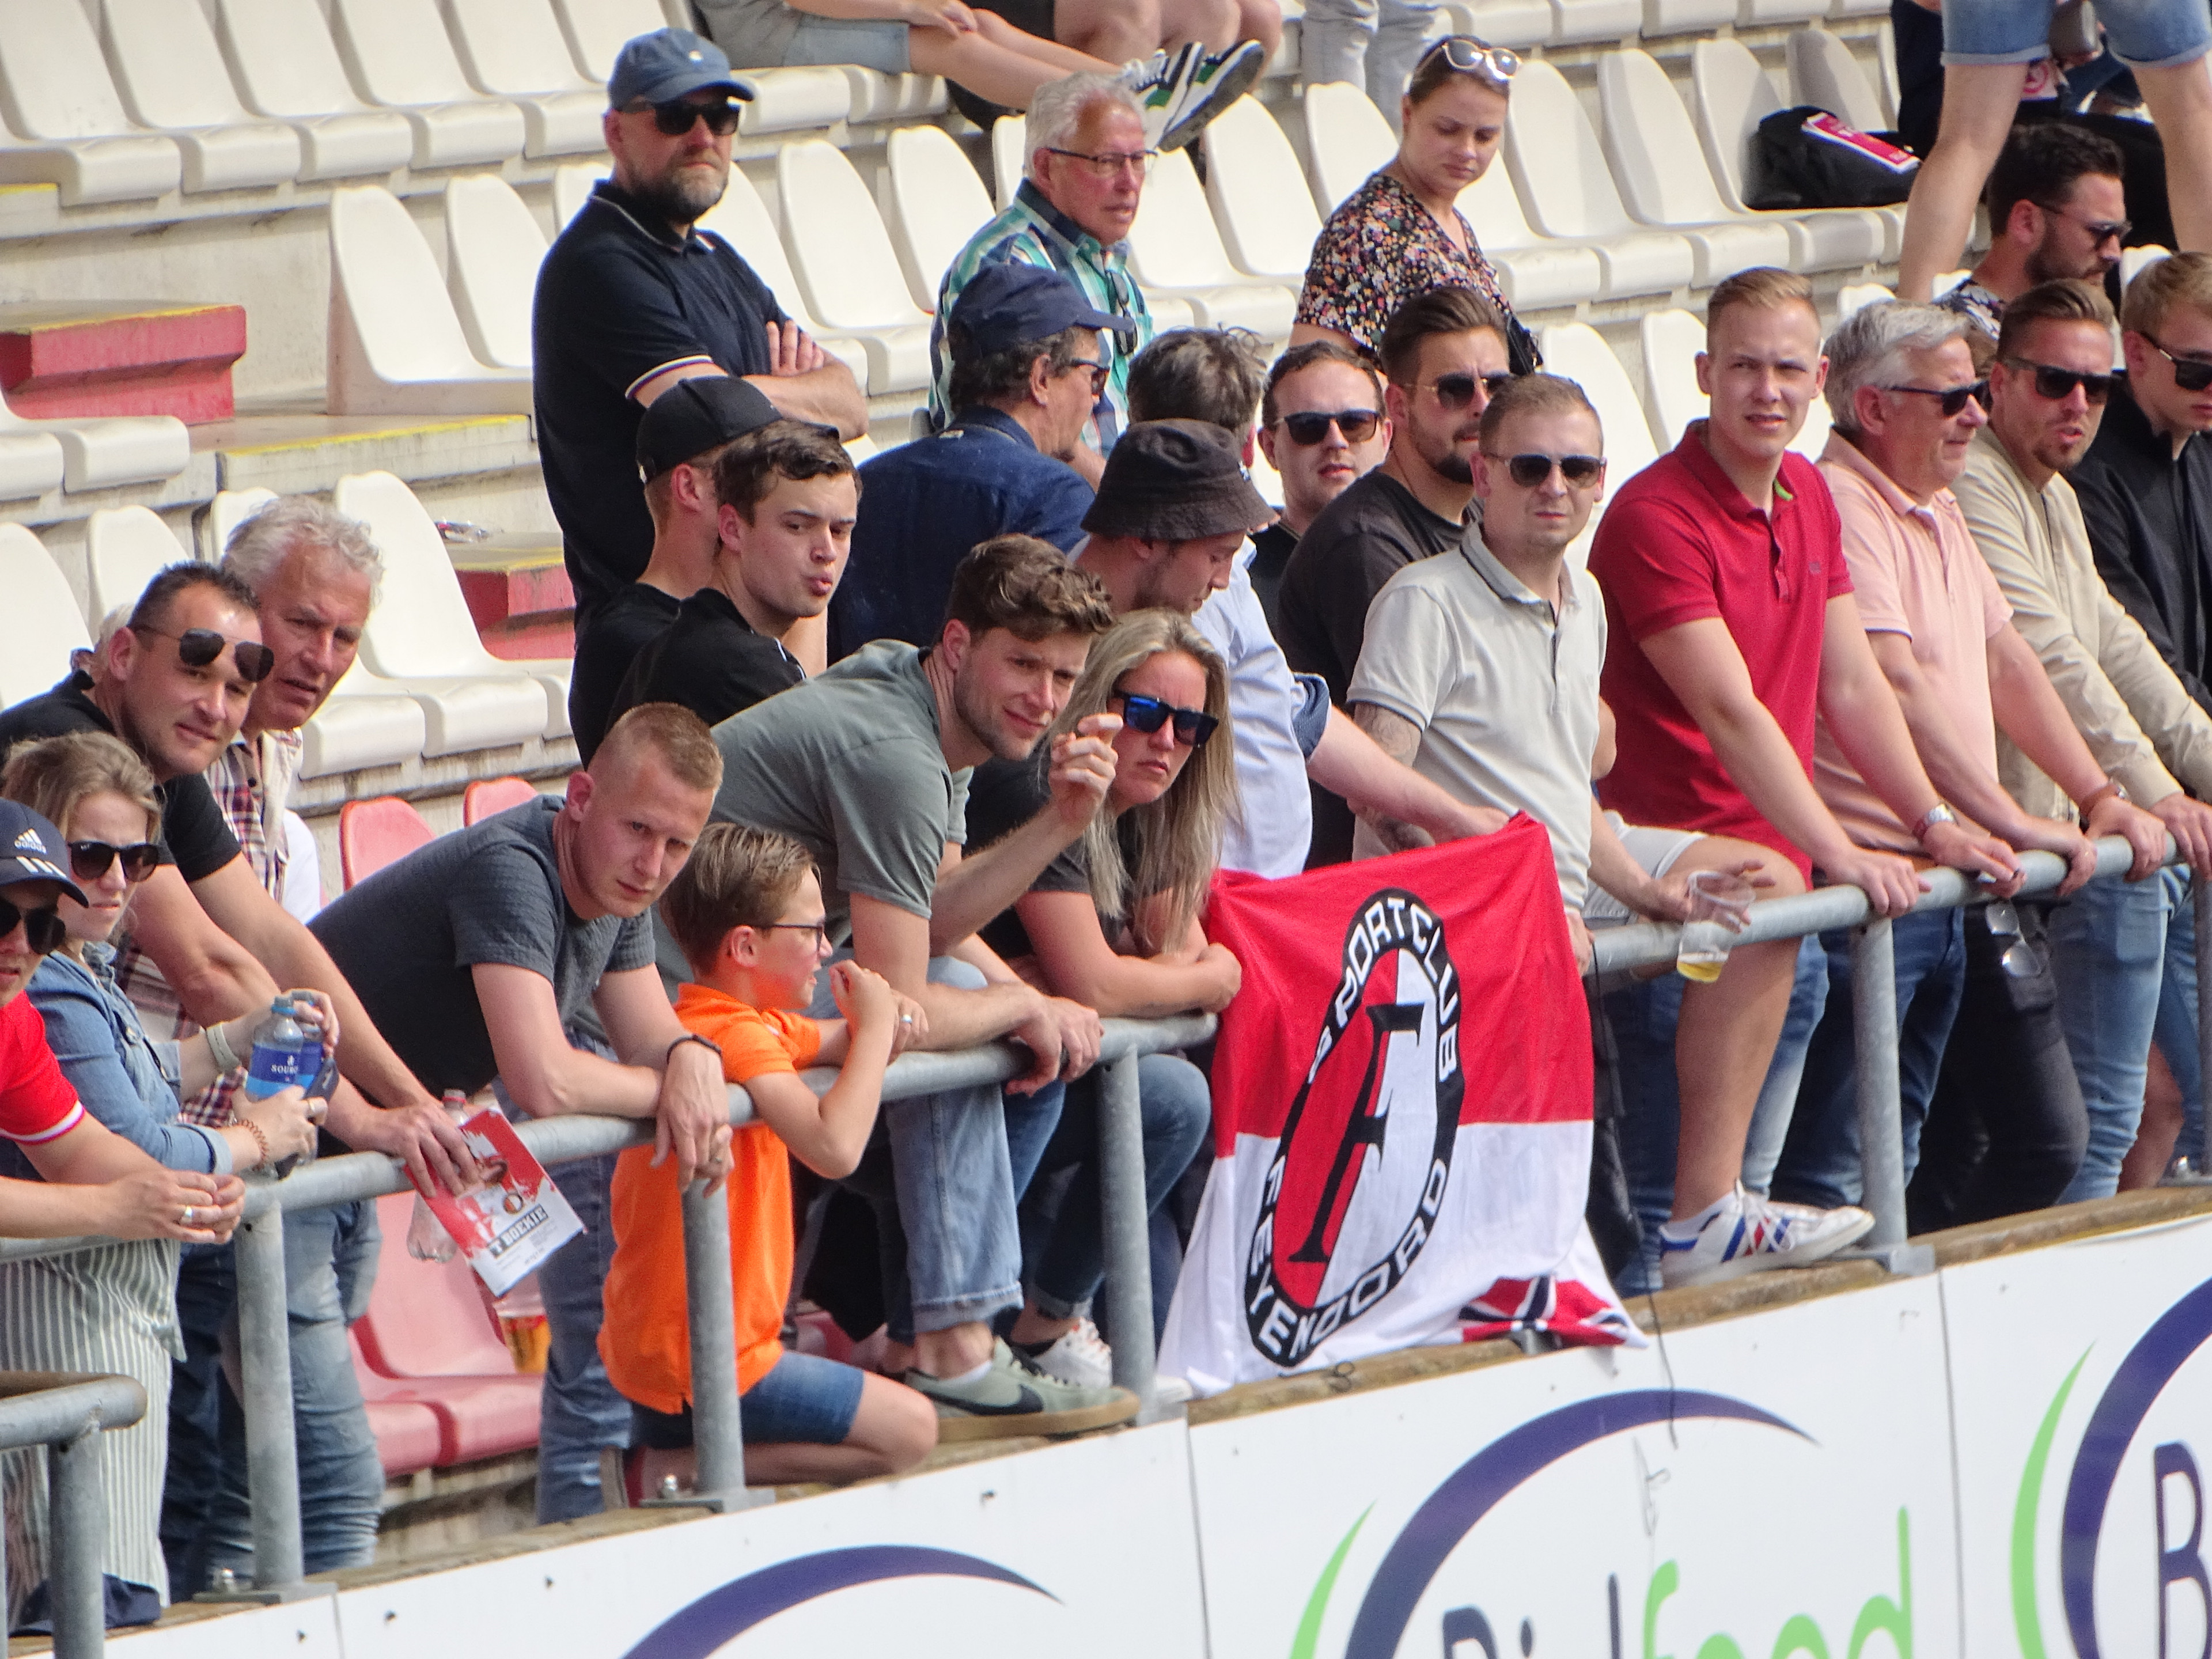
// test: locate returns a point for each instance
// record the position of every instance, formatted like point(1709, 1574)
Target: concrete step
point(120, 357)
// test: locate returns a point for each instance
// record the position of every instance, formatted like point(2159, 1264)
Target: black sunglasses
point(90, 859)
point(2100, 230)
point(2190, 374)
point(1529, 470)
point(2057, 383)
point(1471, 56)
point(45, 929)
point(1457, 390)
point(1311, 427)
point(1147, 714)
point(675, 120)
point(1952, 397)
point(198, 647)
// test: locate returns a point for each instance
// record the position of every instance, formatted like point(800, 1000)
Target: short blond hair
point(678, 738)
point(1762, 288)
point(2179, 279)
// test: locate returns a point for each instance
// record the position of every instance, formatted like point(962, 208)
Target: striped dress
point(113, 1309)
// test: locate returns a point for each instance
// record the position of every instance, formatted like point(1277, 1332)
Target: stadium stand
point(1538, 272)
point(1823, 71)
point(401, 56)
point(43, 622)
point(1347, 139)
point(1176, 250)
point(1579, 352)
point(125, 547)
point(488, 795)
point(1258, 195)
point(742, 219)
point(375, 832)
point(1672, 340)
point(932, 203)
point(845, 264)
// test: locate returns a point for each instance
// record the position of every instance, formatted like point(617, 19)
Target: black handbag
point(1807, 158)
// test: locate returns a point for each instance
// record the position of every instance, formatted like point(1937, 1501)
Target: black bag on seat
point(1807, 158)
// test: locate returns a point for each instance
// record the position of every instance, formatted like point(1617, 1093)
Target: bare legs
point(2180, 103)
point(1122, 29)
point(1979, 102)
point(998, 61)
point(2146, 1159)
point(894, 1429)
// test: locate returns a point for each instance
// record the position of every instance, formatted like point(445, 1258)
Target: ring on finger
point(185, 1218)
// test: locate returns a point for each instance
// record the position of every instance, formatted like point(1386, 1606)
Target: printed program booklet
point(509, 1224)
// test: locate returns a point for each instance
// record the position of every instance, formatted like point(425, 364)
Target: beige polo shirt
point(1503, 686)
point(2143, 727)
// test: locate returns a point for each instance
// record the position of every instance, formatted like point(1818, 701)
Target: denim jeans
point(937, 1174)
point(1373, 44)
point(579, 1410)
point(1820, 1159)
point(2113, 947)
point(1176, 1111)
point(330, 1266)
point(1643, 1016)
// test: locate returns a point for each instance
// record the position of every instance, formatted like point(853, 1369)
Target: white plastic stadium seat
point(596, 31)
point(1579, 352)
point(843, 260)
point(513, 48)
point(84, 170)
point(1731, 94)
point(1672, 340)
point(2133, 259)
point(421, 628)
point(1517, 24)
point(1764, 14)
point(1559, 174)
point(904, 99)
point(396, 347)
point(1536, 271)
point(68, 126)
point(793, 99)
point(1823, 71)
point(571, 187)
point(1010, 157)
point(935, 204)
point(229, 509)
point(171, 74)
point(399, 55)
point(493, 250)
point(40, 623)
point(125, 547)
point(1574, 22)
point(741, 219)
point(97, 450)
point(1347, 139)
point(30, 464)
point(1885, 58)
point(1174, 248)
point(285, 65)
point(1662, 17)
point(1652, 147)
point(366, 722)
point(1853, 296)
point(1259, 200)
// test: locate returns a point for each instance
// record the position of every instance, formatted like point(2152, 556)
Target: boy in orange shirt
point(747, 913)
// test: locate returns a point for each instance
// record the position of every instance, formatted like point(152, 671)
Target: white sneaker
point(1170, 1390)
point(1209, 85)
point(1744, 1233)
point(1080, 1357)
point(1161, 83)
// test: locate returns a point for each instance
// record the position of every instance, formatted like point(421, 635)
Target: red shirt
point(36, 1101)
point(1681, 542)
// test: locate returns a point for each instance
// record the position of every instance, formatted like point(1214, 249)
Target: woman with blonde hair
point(1112, 923)
point(113, 1309)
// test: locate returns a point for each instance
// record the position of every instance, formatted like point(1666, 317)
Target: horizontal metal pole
point(1651, 944)
point(37, 1408)
point(562, 1139)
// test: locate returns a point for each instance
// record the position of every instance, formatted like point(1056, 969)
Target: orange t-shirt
point(646, 1340)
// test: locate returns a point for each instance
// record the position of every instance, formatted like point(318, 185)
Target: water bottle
point(426, 1237)
point(284, 1054)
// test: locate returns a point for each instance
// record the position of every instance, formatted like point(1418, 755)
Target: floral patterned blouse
point(1379, 249)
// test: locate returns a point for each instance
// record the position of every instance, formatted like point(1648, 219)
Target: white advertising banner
point(1083, 1551)
point(1761, 1488)
point(2081, 1395)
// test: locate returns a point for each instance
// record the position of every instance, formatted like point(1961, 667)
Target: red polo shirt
point(1681, 542)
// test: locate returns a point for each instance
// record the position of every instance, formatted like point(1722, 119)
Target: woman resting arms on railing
point(113, 1309)
point(1112, 923)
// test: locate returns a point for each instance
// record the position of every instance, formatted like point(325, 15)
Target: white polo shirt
point(1503, 687)
point(1272, 828)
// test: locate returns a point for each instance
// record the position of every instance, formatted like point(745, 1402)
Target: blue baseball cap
point(1005, 306)
point(32, 849)
point(668, 64)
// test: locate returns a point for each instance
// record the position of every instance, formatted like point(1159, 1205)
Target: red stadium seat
point(482, 798)
point(375, 832)
point(429, 1340)
point(408, 1434)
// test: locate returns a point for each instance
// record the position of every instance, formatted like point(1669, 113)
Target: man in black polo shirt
point(1026, 373)
point(788, 502)
point(677, 443)
point(633, 298)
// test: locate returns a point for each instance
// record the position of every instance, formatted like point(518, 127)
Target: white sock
point(1690, 1224)
point(965, 1377)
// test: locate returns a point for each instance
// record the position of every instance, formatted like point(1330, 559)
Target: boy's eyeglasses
point(90, 859)
point(1311, 427)
point(1193, 726)
point(43, 929)
point(1529, 470)
point(820, 929)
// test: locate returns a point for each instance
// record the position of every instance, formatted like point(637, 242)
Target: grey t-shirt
point(407, 937)
point(849, 764)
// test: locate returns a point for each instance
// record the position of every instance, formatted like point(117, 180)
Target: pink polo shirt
point(1917, 573)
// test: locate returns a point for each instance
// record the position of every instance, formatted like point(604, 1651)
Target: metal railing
point(65, 1412)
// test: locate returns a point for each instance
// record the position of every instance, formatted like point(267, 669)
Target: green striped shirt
point(1033, 232)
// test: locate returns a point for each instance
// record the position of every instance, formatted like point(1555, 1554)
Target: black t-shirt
point(194, 836)
point(1271, 553)
point(608, 640)
point(618, 302)
point(1003, 796)
point(710, 660)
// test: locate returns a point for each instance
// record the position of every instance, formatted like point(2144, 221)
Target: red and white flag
point(1401, 1111)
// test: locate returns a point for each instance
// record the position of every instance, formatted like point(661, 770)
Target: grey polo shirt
point(1503, 686)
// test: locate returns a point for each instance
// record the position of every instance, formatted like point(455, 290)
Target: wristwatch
point(1935, 815)
point(2087, 804)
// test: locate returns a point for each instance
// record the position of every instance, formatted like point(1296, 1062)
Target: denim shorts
point(2147, 33)
point(804, 1399)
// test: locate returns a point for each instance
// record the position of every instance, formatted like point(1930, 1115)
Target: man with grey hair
point(1072, 213)
point(1906, 405)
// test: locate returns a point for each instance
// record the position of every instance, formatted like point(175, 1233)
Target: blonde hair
point(52, 774)
point(2179, 279)
point(1763, 288)
point(1179, 835)
point(672, 731)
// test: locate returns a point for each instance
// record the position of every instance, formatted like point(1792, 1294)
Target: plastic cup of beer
point(1720, 908)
